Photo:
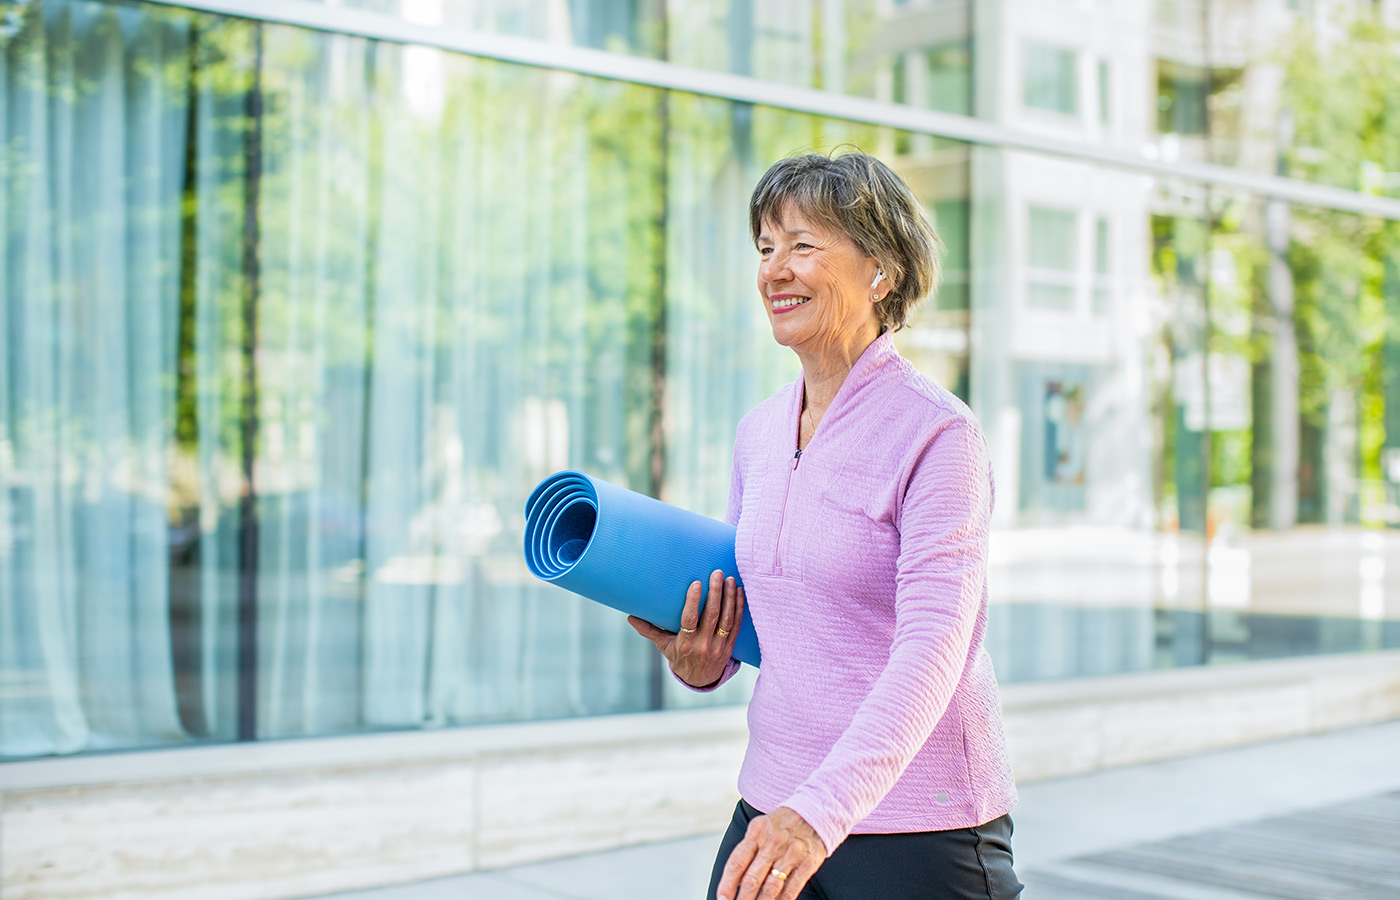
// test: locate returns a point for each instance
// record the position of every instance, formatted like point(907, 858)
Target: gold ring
point(778, 874)
point(722, 633)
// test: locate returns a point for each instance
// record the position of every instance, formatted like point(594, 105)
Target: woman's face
point(816, 285)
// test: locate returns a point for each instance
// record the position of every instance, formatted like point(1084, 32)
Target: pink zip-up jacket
point(864, 562)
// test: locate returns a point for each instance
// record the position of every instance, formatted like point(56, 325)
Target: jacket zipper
point(782, 517)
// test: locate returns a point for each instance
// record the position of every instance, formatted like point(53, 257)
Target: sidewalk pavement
point(1055, 820)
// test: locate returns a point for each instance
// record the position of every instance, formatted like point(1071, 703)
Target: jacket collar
point(876, 359)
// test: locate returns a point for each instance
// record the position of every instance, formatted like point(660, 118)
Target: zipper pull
point(795, 457)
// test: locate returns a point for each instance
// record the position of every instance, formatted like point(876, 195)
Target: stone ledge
point(356, 751)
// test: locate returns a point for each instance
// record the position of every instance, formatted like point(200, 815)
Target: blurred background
point(299, 300)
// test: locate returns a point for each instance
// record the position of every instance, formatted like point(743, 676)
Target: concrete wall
point(296, 818)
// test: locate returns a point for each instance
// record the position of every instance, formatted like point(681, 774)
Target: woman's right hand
point(699, 653)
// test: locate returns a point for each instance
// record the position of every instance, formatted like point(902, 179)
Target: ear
point(875, 293)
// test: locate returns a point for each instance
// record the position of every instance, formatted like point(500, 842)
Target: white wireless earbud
point(879, 274)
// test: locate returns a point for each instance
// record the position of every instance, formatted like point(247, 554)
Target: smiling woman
point(828, 229)
point(861, 494)
point(814, 281)
point(885, 223)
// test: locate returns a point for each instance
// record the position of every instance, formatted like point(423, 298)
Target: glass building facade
point(294, 314)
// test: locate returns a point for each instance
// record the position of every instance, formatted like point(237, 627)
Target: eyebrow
point(763, 235)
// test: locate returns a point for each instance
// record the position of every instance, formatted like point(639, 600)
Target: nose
point(774, 268)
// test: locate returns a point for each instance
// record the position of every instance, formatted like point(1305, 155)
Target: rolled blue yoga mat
point(627, 551)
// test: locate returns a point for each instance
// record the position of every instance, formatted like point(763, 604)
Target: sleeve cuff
point(830, 833)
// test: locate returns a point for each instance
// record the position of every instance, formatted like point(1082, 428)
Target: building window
point(950, 77)
point(1051, 79)
point(938, 78)
point(1103, 92)
point(950, 218)
point(1181, 99)
point(1050, 257)
point(1103, 284)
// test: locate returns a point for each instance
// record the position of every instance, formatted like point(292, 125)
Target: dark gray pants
point(963, 864)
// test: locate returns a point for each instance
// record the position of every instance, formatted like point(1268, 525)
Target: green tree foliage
point(1343, 96)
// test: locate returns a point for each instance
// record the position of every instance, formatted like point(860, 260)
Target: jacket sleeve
point(736, 487)
point(943, 523)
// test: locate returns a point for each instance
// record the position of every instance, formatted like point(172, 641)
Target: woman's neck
point(824, 372)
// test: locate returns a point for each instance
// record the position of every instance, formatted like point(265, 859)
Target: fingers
point(740, 859)
point(690, 613)
point(748, 873)
point(798, 872)
point(759, 882)
point(721, 612)
point(657, 636)
point(777, 856)
point(733, 612)
point(709, 619)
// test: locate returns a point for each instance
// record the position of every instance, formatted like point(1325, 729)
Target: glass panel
point(95, 131)
point(1083, 557)
point(511, 322)
point(1211, 67)
point(1244, 496)
point(1050, 258)
point(1051, 79)
point(1301, 301)
point(391, 298)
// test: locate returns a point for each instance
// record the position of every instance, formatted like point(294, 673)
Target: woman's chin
point(787, 333)
point(785, 336)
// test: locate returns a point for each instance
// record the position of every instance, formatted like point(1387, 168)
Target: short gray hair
point(856, 194)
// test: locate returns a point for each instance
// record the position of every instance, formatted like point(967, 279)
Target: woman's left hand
point(779, 852)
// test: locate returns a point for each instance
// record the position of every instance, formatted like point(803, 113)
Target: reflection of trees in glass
point(1177, 259)
point(1207, 269)
point(1344, 104)
point(1338, 285)
point(1342, 99)
point(1236, 258)
point(94, 419)
point(1195, 100)
point(209, 372)
point(210, 375)
point(468, 300)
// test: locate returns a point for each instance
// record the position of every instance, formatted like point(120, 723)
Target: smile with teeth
point(790, 302)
